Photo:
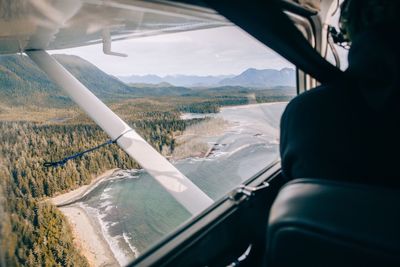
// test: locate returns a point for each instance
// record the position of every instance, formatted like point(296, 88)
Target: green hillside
point(99, 82)
point(23, 83)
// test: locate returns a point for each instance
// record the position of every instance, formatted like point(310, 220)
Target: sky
point(224, 50)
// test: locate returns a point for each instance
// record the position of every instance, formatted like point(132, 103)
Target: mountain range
point(265, 78)
point(22, 82)
point(254, 78)
point(176, 80)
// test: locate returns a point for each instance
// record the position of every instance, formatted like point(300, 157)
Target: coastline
point(87, 233)
point(251, 105)
point(193, 141)
point(63, 199)
point(88, 237)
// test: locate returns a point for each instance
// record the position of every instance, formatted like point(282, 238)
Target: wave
point(133, 248)
point(120, 254)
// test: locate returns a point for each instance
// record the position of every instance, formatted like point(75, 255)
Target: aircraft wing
point(59, 24)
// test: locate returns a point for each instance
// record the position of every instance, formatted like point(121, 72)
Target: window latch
point(244, 192)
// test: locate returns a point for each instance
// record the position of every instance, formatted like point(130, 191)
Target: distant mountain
point(99, 82)
point(145, 79)
point(249, 78)
point(177, 80)
point(262, 78)
point(22, 82)
point(161, 89)
point(149, 85)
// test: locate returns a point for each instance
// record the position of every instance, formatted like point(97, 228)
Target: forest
point(33, 232)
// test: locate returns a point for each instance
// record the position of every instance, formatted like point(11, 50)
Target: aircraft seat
point(316, 222)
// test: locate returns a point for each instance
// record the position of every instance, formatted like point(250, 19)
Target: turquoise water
point(135, 211)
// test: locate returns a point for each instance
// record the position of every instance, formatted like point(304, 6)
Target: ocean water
point(135, 212)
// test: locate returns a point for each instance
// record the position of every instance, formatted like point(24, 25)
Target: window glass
point(210, 101)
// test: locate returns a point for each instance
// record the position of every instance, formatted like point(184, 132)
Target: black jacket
point(350, 130)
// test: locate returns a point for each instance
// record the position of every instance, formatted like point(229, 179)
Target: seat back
point(315, 222)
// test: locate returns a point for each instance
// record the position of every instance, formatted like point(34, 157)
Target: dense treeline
point(213, 105)
point(203, 107)
point(25, 147)
point(33, 232)
point(270, 99)
point(281, 94)
point(160, 132)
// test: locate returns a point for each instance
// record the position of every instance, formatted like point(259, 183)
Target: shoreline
point(88, 237)
point(65, 198)
point(255, 104)
point(87, 233)
point(213, 115)
point(189, 139)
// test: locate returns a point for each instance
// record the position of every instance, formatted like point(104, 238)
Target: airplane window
point(210, 101)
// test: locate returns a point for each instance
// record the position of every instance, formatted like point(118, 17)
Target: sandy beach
point(81, 191)
point(87, 233)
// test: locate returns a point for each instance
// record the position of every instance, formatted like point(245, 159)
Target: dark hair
point(359, 15)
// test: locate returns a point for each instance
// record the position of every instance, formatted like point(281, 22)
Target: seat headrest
point(315, 222)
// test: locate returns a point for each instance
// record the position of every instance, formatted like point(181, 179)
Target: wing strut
point(179, 186)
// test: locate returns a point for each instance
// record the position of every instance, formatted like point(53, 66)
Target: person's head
point(371, 28)
point(358, 16)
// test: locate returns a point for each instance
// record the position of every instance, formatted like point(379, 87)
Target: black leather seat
point(315, 222)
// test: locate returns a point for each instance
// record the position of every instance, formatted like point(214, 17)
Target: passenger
point(351, 131)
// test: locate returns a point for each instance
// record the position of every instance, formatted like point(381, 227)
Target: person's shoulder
point(317, 94)
point(315, 98)
point(311, 103)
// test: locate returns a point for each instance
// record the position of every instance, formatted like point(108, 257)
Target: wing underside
point(59, 24)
